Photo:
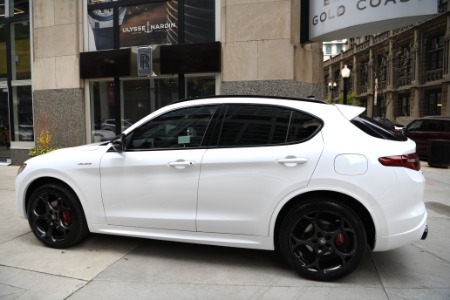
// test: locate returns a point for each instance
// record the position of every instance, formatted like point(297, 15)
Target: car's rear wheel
point(56, 216)
point(322, 240)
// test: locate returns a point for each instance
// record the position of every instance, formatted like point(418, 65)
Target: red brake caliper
point(66, 217)
point(340, 239)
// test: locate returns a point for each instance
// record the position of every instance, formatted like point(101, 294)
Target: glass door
point(141, 97)
point(5, 141)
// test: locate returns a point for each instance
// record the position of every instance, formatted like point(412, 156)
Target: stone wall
point(281, 88)
point(65, 113)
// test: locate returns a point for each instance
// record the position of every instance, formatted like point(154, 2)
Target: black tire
point(56, 216)
point(322, 240)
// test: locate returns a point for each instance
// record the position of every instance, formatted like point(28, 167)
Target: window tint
point(303, 127)
point(182, 128)
point(415, 126)
point(376, 129)
point(429, 125)
point(446, 126)
point(259, 125)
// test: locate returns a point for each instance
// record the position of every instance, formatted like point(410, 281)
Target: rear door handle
point(292, 161)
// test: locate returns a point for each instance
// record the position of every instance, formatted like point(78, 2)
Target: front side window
point(182, 128)
point(260, 125)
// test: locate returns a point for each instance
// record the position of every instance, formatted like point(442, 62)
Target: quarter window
point(182, 128)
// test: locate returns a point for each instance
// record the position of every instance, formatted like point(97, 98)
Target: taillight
point(410, 161)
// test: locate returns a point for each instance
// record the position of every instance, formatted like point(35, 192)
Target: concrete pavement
point(108, 267)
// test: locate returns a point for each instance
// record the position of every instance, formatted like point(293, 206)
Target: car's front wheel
point(56, 216)
point(322, 240)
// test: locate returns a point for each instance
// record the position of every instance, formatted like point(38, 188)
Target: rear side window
point(376, 129)
point(429, 126)
point(262, 125)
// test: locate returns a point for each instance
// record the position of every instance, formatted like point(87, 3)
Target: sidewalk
point(108, 267)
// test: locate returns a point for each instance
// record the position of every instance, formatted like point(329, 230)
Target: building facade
point(401, 74)
point(81, 71)
point(333, 48)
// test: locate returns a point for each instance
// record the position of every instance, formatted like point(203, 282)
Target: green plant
point(351, 100)
point(43, 143)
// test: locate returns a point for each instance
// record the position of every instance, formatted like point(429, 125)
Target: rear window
point(377, 130)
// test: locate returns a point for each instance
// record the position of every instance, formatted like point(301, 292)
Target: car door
point(263, 153)
point(154, 182)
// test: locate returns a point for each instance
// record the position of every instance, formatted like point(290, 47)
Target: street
point(110, 267)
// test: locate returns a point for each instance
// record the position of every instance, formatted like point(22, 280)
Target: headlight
point(22, 167)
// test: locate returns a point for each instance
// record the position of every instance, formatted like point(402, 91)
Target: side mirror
point(119, 143)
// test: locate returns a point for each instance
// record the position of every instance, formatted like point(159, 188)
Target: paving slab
point(410, 267)
point(83, 261)
point(23, 284)
point(11, 225)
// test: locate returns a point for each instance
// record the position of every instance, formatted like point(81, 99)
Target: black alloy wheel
point(56, 216)
point(323, 240)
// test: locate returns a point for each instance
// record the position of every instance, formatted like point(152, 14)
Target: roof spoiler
point(350, 111)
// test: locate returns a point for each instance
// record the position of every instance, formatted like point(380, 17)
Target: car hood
point(68, 153)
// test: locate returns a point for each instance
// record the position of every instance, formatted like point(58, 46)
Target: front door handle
point(292, 161)
point(181, 164)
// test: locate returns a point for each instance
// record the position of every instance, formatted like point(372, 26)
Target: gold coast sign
point(337, 19)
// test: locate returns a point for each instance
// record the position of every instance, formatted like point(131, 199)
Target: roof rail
point(305, 99)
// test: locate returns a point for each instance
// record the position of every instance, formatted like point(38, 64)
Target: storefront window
point(5, 141)
point(103, 124)
point(3, 71)
point(149, 24)
point(154, 23)
point(141, 97)
point(138, 99)
point(200, 86)
point(20, 51)
point(19, 7)
point(23, 113)
point(101, 21)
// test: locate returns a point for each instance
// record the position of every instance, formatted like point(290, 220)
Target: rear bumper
point(419, 232)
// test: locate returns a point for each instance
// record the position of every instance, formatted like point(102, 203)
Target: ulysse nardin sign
point(337, 19)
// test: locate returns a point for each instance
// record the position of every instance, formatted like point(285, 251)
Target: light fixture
point(345, 73)
point(332, 86)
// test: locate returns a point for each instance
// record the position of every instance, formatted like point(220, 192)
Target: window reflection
point(102, 110)
point(141, 97)
point(23, 113)
point(20, 51)
point(2, 54)
point(19, 7)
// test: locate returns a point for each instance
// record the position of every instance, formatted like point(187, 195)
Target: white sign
point(338, 19)
point(144, 61)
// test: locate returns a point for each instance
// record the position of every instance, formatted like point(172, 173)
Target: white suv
point(316, 181)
